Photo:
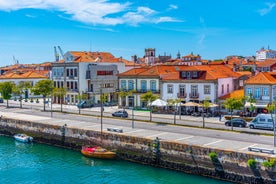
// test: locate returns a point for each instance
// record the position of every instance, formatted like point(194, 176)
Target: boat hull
point(98, 153)
point(23, 138)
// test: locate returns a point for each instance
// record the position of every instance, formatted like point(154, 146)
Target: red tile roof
point(263, 78)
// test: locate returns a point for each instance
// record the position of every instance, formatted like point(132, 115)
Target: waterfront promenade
point(218, 142)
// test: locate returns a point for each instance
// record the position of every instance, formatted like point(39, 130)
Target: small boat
point(97, 152)
point(23, 138)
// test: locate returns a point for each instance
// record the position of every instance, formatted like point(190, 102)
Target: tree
point(251, 100)
point(233, 104)
point(6, 89)
point(123, 94)
point(177, 104)
point(205, 106)
point(59, 93)
point(80, 97)
point(21, 88)
point(149, 97)
point(271, 107)
point(44, 88)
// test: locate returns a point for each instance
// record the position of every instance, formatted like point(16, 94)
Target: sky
point(30, 29)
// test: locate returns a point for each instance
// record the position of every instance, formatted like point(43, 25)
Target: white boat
point(23, 138)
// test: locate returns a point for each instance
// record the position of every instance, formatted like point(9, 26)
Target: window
point(123, 85)
point(257, 93)
point(265, 91)
point(182, 90)
point(100, 72)
point(248, 91)
point(222, 88)
point(183, 74)
point(170, 88)
point(194, 74)
point(228, 89)
point(153, 85)
point(207, 89)
point(130, 85)
point(144, 85)
point(194, 90)
point(75, 72)
point(188, 74)
point(76, 85)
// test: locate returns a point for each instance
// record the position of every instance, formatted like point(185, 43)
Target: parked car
point(237, 122)
point(121, 113)
point(1, 100)
point(85, 104)
point(262, 121)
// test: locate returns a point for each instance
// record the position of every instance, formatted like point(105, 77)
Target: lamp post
point(101, 101)
point(52, 85)
point(274, 129)
point(132, 115)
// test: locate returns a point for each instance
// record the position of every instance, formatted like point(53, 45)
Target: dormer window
point(194, 74)
point(183, 74)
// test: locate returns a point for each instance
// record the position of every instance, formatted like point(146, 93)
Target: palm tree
point(123, 94)
point(149, 97)
point(205, 106)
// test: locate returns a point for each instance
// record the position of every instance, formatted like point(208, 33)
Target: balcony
point(181, 95)
point(194, 95)
point(146, 90)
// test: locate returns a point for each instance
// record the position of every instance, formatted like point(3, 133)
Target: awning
point(247, 104)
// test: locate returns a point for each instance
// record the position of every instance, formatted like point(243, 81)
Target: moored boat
point(97, 152)
point(23, 138)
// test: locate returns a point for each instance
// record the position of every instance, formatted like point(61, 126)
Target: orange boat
point(97, 152)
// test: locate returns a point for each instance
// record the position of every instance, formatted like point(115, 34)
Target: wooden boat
point(23, 138)
point(97, 152)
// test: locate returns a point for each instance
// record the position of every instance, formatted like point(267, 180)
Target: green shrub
point(213, 156)
point(252, 163)
point(270, 163)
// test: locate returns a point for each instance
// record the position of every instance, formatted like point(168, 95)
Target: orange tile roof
point(267, 63)
point(96, 57)
point(168, 72)
point(262, 78)
point(35, 74)
point(234, 94)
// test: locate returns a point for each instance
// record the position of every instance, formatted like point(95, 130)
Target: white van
point(262, 121)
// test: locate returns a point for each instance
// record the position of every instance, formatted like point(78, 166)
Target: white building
point(91, 73)
point(264, 54)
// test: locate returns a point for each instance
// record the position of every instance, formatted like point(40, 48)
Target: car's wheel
point(251, 127)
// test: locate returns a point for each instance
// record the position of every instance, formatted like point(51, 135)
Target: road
point(165, 131)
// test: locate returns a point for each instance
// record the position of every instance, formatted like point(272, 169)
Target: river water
point(39, 163)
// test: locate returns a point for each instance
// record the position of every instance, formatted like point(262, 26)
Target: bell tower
point(150, 56)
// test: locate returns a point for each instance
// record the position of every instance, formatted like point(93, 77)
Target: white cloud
point(172, 7)
point(167, 19)
point(269, 8)
point(101, 12)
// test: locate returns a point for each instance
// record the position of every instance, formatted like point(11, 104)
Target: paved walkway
point(152, 134)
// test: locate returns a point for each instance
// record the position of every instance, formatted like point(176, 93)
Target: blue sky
point(30, 29)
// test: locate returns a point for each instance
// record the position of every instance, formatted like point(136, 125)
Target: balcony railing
point(194, 95)
point(181, 95)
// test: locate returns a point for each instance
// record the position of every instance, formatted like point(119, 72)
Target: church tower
point(149, 56)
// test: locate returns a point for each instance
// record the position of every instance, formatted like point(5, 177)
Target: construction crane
point(56, 54)
point(61, 52)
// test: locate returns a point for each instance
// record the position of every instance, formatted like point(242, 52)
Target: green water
point(38, 163)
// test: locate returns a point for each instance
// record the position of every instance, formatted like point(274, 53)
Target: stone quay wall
point(227, 165)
